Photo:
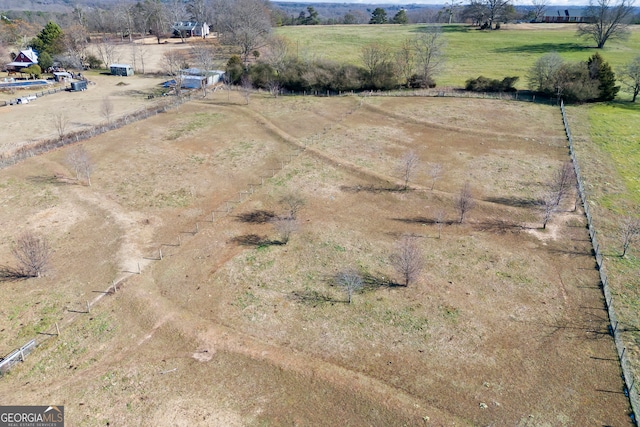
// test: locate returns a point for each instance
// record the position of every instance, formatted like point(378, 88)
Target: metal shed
point(121, 69)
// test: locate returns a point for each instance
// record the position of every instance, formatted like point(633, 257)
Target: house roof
point(187, 26)
point(120, 66)
point(30, 54)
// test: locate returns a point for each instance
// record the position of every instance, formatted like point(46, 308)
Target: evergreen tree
point(400, 17)
point(379, 16)
point(600, 70)
point(49, 40)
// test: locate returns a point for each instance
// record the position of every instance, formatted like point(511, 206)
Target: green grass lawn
point(469, 52)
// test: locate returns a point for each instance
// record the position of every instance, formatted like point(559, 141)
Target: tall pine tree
point(601, 71)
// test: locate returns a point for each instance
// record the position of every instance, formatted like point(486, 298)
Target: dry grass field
point(505, 326)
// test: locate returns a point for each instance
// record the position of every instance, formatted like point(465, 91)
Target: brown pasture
point(505, 326)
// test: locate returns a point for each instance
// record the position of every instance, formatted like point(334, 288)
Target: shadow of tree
point(256, 240)
point(499, 225)
point(516, 202)
point(544, 48)
point(372, 282)
point(10, 274)
point(372, 189)
point(52, 180)
point(313, 297)
point(256, 217)
point(424, 220)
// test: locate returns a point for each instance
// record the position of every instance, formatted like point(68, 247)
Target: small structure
point(78, 86)
point(61, 76)
point(25, 58)
point(566, 16)
point(190, 29)
point(121, 69)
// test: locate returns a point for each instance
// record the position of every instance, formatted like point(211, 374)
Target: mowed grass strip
point(469, 52)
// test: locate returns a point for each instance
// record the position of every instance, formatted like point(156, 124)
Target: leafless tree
point(138, 55)
point(350, 280)
point(247, 88)
point(630, 76)
point(374, 56)
point(276, 54)
point(407, 167)
point(76, 41)
point(80, 161)
point(497, 11)
point(439, 219)
point(274, 87)
point(293, 202)
point(464, 202)
point(285, 227)
point(60, 122)
point(243, 23)
point(198, 10)
point(176, 12)
point(405, 60)
point(107, 51)
point(607, 19)
point(156, 18)
point(544, 72)
point(549, 205)
point(203, 54)
point(562, 182)
point(106, 109)
point(539, 8)
point(32, 253)
point(629, 232)
point(429, 47)
point(407, 260)
point(435, 173)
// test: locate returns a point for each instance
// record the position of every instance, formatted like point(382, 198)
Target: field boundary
point(625, 364)
point(43, 146)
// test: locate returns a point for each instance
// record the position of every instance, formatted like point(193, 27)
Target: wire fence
point(37, 95)
point(7, 159)
point(630, 388)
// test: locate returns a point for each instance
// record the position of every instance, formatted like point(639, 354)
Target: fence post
point(88, 307)
point(57, 329)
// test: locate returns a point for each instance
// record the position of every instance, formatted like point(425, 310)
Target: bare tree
point(76, 40)
point(276, 54)
point(293, 202)
point(274, 87)
point(465, 201)
point(439, 219)
point(629, 232)
point(630, 76)
point(285, 227)
point(106, 109)
point(374, 56)
point(138, 55)
point(156, 18)
point(607, 19)
point(407, 167)
point(539, 8)
point(80, 161)
point(32, 253)
point(60, 122)
point(549, 205)
point(204, 55)
point(247, 88)
point(497, 11)
point(243, 23)
point(562, 182)
point(544, 72)
point(407, 260)
point(107, 51)
point(428, 48)
point(405, 60)
point(435, 173)
point(350, 280)
point(176, 12)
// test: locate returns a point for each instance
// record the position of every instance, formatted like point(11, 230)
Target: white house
point(190, 29)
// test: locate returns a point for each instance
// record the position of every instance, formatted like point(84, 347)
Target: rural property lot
point(505, 326)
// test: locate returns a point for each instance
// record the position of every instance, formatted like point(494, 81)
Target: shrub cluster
point(484, 84)
point(318, 75)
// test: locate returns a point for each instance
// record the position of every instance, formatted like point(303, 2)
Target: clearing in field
point(505, 325)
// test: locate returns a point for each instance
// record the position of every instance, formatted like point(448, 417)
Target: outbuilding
point(61, 76)
point(121, 69)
